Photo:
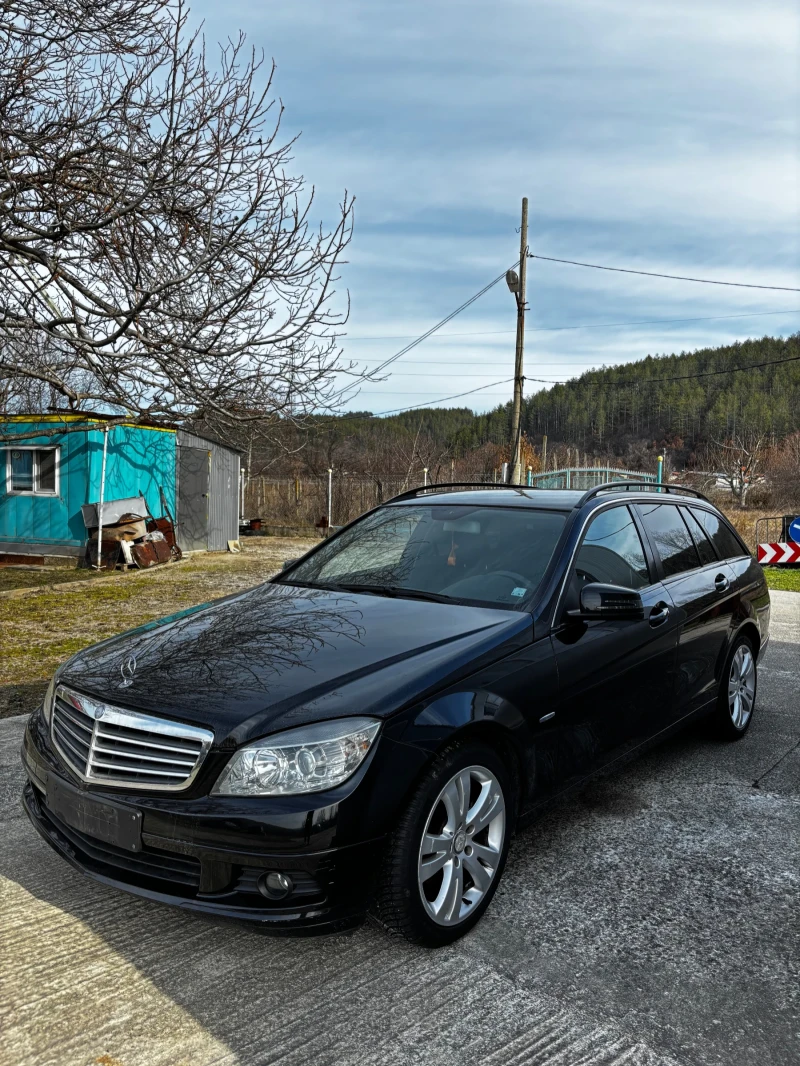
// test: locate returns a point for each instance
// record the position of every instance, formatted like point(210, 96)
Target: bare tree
point(737, 461)
point(156, 255)
point(783, 470)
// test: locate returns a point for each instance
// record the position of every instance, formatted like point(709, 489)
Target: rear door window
point(704, 547)
point(612, 552)
point(728, 547)
point(669, 534)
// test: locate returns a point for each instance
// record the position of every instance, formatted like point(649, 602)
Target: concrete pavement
point(652, 919)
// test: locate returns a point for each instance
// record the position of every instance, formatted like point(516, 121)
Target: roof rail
point(422, 489)
point(617, 486)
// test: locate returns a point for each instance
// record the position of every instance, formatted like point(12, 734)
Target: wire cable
point(703, 373)
point(400, 410)
point(457, 396)
point(443, 322)
point(672, 277)
point(675, 377)
point(576, 381)
point(586, 325)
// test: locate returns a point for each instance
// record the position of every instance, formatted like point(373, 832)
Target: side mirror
point(288, 562)
point(608, 601)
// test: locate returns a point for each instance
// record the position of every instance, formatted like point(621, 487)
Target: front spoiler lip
point(308, 921)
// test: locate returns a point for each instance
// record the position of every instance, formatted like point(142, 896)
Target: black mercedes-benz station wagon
point(365, 732)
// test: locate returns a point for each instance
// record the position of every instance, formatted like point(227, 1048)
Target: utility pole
point(519, 293)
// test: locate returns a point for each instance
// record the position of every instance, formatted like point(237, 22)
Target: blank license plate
point(110, 822)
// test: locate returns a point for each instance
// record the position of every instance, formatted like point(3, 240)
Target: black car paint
point(278, 656)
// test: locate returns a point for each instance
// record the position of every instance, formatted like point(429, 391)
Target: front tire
point(447, 854)
point(737, 692)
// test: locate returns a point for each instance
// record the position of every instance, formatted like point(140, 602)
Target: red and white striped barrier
point(785, 552)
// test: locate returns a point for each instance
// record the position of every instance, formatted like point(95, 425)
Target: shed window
point(32, 470)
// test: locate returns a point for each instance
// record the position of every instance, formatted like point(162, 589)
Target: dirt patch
point(42, 629)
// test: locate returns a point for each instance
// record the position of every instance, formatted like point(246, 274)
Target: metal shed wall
point(223, 492)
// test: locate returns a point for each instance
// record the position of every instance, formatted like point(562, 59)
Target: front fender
point(505, 704)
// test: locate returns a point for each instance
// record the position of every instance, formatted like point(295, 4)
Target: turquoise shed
point(52, 472)
point(56, 467)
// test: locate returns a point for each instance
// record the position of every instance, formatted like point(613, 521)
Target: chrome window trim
point(595, 511)
point(131, 719)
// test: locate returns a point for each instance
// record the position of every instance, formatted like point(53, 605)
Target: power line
point(709, 373)
point(672, 277)
point(441, 374)
point(400, 410)
point(647, 381)
point(594, 266)
point(457, 396)
point(587, 325)
point(674, 377)
point(443, 322)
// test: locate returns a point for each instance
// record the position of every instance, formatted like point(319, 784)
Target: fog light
point(274, 885)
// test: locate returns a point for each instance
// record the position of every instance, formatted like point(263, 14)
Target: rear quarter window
point(721, 536)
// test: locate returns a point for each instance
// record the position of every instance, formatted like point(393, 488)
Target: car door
point(729, 548)
point(616, 677)
point(703, 590)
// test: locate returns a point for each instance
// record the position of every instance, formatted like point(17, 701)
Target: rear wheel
point(737, 692)
point(447, 854)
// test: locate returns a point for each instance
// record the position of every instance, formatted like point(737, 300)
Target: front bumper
point(191, 861)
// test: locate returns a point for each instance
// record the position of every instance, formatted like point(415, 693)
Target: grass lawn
point(22, 578)
point(781, 578)
point(38, 631)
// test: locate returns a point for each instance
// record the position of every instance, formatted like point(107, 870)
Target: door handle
point(659, 614)
point(721, 583)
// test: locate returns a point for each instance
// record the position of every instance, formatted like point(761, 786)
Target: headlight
point(49, 699)
point(308, 759)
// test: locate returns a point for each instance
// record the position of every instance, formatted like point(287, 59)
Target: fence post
point(330, 496)
point(660, 476)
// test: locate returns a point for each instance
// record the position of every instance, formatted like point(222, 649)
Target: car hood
point(278, 656)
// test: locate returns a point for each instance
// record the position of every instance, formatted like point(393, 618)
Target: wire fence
point(586, 477)
point(302, 502)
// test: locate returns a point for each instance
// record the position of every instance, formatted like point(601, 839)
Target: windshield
point(494, 555)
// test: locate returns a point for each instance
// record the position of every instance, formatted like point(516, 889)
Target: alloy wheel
point(742, 686)
point(462, 845)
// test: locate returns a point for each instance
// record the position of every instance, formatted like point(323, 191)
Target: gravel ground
point(42, 627)
point(650, 920)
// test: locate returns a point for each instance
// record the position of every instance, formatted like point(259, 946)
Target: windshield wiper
point(394, 591)
point(401, 592)
point(324, 586)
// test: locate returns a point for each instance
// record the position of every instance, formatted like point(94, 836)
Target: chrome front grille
point(113, 746)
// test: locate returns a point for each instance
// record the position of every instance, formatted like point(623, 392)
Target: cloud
point(664, 136)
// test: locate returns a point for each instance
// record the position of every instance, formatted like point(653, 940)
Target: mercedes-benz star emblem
point(127, 669)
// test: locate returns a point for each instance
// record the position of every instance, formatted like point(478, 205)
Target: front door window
point(612, 552)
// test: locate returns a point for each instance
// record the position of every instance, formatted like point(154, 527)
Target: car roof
point(541, 499)
point(512, 496)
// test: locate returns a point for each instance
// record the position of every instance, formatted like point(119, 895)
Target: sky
point(661, 136)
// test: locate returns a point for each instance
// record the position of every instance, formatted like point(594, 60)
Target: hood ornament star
point(127, 669)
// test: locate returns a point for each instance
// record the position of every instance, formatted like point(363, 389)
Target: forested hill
point(655, 399)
